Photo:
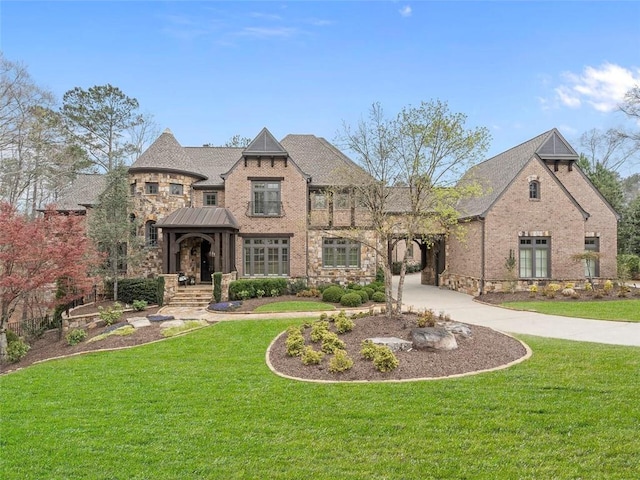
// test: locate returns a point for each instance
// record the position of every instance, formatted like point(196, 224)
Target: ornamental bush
point(370, 291)
point(364, 296)
point(379, 297)
point(139, 305)
point(311, 357)
point(17, 349)
point(74, 337)
point(331, 343)
point(344, 324)
point(384, 359)
point(340, 362)
point(318, 330)
point(110, 315)
point(333, 294)
point(294, 344)
point(351, 299)
point(368, 349)
point(217, 287)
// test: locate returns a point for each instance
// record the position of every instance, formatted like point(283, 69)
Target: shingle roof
point(496, 173)
point(166, 154)
point(84, 190)
point(199, 217)
point(213, 162)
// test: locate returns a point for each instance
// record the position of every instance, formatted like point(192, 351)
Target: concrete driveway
point(462, 308)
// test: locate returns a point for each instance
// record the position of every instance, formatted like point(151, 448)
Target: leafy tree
point(100, 121)
point(112, 227)
point(607, 181)
point(425, 149)
point(35, 253)
point(629, 229)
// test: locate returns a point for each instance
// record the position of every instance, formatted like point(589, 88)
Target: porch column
point(172, 253)
point(226, 257)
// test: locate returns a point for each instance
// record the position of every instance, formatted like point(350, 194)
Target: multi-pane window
point(151, 188)
point(266, 198)
point(176, 189)
point(318, 201)
point(340, 253)
point(210, 199)
point(592, 265)
point(534, 257)
point(534, 190)
point(341, 201)
point(266, 256)
point(151, 234)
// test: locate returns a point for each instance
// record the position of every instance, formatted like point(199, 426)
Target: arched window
point(151, 234)
point(534, 190)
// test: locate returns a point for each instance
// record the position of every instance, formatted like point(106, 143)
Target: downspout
point(482, 255)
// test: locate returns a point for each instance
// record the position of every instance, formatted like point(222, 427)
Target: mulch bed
point(498, 298)
point(251, 304)
point(486, 349)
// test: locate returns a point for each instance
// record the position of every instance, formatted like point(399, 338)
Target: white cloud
point(603, 87)
point(405, 11)
point(263, 32)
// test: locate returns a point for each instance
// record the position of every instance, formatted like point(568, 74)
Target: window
point(534, 190)
point(151, 234)
point(318, 201)
point(266, 198)
point(592, 265)
point(341, 201)
point(210, 199)
point(132, 188)
point(340, 253)
point(176, 189)
point(151, 188)
point(534, 257)
point(266, 256)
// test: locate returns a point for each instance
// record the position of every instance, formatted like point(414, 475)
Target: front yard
point(205, 405)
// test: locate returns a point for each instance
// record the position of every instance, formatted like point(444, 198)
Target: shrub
point(551, 290)
point(344, 324)
point(74, 337)
point(533, 290)
point(312, 292)
point(364, 296)
point(340, 362)
point(333, 294)
point(384, 359)
point(368, 349)
point(275, 287)
point(607, 287)
point(354, 286)
point(380, 275)
point(111, 314)
point(297, 286)
point(129, 289)
point(244, 294)
point(318, 330)
point(294, 344)
point(217, 287)
point(370, 291)
point(588, 287)
point(311, 357)
point(260, 293)
point(331, 343)
point(351, 300)
point(16, 350)
point(426, 319)
point(379, 297)
point(274, 292)
point(139, 305)
point(12, 336)
point(630, 264)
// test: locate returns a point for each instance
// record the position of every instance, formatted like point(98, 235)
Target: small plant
point(75, 336)
point(551, 290)
point(139, 305)
point(110, 315)
point(260, 293)
point(331, 343)
point(426, 319)
point(311, 357)
point(340, 362)
point(588, 287)
point(244, 294)
point(607, 287)
point(351, 300)
point(274, 292)
point(294, 343)
point(570, 285)
point(188, 325)
point(344, 324)
point(318, 330)
point(125, 331)
point(311, 292)
point(533, 290)
point(16, 350)
point(384, 359)
point(368, 349)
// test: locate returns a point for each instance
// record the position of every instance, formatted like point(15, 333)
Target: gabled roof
point(264, 144)
point(84, 190)
point(214, 217)
point(167, 155)
point(213, 162)
point(497, 173)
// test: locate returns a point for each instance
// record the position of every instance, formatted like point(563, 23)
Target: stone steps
point(192, 296)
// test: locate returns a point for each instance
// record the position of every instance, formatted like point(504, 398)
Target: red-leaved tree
point(34, 254)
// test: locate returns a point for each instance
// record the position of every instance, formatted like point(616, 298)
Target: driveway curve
point(462, 308)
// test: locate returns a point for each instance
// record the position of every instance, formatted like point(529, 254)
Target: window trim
point(205, 195)
point(148, 186)
point(275, 204)
point(180, 189)
point(150, 234)
point(534, 190)
point(272, 248)
point(533, 247)
point(331, 255)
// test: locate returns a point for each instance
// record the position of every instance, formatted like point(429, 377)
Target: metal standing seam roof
point(215, 217)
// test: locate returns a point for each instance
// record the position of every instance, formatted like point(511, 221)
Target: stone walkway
point(462, 308)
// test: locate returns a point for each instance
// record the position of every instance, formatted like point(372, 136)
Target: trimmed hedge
point(129, 289)
point(379, 297)
point(352, 299)
point(333, 294)
point(253, 285)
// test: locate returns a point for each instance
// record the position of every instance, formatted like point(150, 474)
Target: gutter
point(482, 255)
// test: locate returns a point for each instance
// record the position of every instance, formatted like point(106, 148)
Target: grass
point(206, 406)
point(625, 310)
point(294, 306)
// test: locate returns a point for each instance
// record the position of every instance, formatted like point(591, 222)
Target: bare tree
point(611, 149)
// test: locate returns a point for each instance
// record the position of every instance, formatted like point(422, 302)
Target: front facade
point(284, 209)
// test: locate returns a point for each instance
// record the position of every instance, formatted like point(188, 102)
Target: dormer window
point(534, 190)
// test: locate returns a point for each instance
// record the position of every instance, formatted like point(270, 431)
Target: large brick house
point(277, 208)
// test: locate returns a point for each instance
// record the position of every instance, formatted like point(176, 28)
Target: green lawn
point(205, 406)
point(294, 306)
point(627, 310)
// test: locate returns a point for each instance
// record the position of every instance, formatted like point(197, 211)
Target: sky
point(214, 69)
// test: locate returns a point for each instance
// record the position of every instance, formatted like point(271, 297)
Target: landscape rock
point(433, 338)
point(160, 318)
point(458, 329)
point(394, 343)
point(139, 322)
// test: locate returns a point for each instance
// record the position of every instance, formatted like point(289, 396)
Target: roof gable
point(555, 147)
point(265, 144)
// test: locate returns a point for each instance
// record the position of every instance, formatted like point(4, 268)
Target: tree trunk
point(403, 271)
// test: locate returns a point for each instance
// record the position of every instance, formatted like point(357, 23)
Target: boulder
point(394, 343)
point(160, 318)
point(138, 322)
point(458, 329)
point(433, 338)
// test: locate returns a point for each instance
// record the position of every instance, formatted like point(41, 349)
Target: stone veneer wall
point(170, 286)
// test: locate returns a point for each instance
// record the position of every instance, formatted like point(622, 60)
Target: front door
point(206, 265)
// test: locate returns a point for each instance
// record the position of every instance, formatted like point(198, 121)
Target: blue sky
point(210, 70)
